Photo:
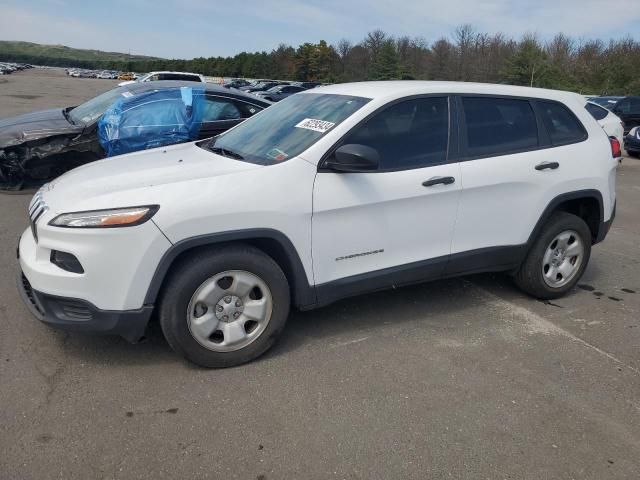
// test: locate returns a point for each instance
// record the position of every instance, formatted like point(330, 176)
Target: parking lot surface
point(464, 378)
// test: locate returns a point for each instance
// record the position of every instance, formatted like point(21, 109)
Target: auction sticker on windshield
point(315, 125)
point(277, 154)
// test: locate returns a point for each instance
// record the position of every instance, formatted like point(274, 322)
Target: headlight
point(112, 218)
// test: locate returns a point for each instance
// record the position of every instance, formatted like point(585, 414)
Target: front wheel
point(224, 307)
point(557, 259)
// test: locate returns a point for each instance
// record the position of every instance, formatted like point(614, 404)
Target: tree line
point(586, 66)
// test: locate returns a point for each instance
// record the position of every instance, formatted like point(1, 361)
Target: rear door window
point(498, 126)
point(218, 108)
point(562, 125)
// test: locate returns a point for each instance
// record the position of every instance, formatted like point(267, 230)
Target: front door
point(392, 226)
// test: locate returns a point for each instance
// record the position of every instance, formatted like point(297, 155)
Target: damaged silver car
point(37, 147)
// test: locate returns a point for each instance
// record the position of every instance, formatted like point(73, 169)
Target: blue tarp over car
point(151, 119)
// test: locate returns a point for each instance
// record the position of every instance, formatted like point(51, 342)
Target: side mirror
point(354, 158)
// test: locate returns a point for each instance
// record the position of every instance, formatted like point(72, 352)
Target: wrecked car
point(37, 147)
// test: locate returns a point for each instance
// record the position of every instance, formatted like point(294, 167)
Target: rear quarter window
point(561, 124)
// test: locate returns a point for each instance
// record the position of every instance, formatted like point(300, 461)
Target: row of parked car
point(7, 68)
point(104, 74)
point(272, 90)
point(620, 117)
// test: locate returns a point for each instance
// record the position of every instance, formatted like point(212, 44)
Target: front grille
point(28, 291)
point(37, 208)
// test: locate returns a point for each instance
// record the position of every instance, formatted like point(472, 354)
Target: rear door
point(393, 225)
point(513, 161)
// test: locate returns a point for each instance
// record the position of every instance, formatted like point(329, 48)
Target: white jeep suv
point(330, 193)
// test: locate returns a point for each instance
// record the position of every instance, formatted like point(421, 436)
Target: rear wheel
point(224, 307)
point(557, 258)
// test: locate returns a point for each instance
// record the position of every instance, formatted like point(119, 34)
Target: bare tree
point(374, 42)
point(464, 37)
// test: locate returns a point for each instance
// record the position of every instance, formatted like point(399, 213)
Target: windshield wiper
point(65, 113)
point(225, 152)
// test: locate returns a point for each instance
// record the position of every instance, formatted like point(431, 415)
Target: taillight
point(616, 150)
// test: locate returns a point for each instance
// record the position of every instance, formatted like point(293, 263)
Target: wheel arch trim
point(303, 295)
point(565, 197)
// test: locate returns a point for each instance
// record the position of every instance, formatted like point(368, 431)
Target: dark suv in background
point(628, 109)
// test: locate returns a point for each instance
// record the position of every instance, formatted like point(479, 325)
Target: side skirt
point(493, 259)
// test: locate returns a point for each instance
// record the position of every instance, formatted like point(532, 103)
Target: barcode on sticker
point(315, 125)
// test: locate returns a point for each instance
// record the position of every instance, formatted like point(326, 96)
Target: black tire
point(530, 274)
point(633, 153)
point(193, 271)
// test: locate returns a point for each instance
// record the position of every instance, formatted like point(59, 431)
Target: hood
point(34, 126)
point(109, 178)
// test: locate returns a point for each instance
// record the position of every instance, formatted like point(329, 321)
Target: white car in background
point(107, 75)
point(608, 120)
point(155, 76)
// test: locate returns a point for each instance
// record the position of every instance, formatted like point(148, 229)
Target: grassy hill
point(60, 55)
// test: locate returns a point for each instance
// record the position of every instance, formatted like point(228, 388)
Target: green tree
point(529, 65)
point(386, 65)
point(303, 61)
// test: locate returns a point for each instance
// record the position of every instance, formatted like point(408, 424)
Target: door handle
point(547, 166)
point(438, 181)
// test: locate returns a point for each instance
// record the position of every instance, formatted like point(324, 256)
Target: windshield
point(90, 111)
point(285, 129)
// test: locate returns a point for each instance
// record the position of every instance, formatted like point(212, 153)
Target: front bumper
point(81, 316)
point(118, 263)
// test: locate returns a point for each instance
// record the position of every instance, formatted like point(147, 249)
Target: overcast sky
point(191, 28)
